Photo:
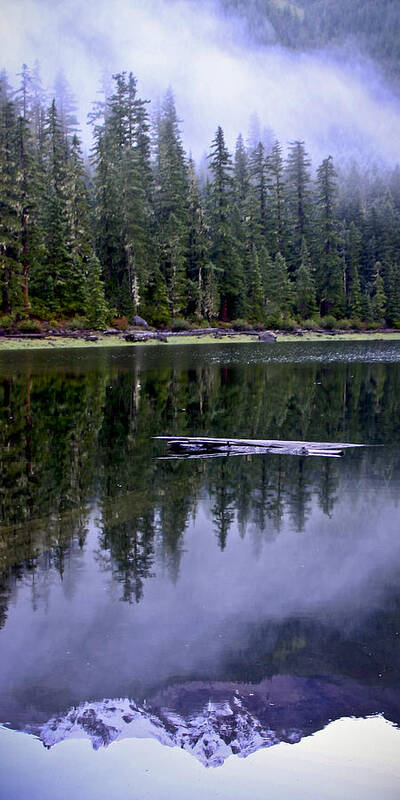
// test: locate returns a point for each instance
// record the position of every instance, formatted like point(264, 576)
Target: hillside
point(364, 25)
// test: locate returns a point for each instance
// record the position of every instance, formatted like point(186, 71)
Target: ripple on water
point(302, 352)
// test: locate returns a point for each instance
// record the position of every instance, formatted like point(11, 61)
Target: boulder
point(91, 338)
point(139, 322)
point(267, 336)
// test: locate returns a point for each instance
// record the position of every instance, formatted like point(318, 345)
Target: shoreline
point(26, 342)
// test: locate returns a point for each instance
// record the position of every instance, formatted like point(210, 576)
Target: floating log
point(279, 443)
point(208, 447)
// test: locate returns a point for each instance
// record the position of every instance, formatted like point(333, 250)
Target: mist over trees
point(261, 238)
point(308, 24)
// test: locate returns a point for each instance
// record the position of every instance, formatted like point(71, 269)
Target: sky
point(338, 105)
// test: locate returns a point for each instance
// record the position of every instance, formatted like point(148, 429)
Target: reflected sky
point(338, 573)
point(350, 758)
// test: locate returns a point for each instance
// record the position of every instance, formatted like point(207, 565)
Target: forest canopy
point(261, 235)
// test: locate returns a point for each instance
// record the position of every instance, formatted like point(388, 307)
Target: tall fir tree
point(278, 288)
point(353, 250)
point(305, 298)
point(171, 198)
point(52, 279)
point(122, 193)
point(298, 192)
point(197, 249)
point(83, 262)
point(10, 207)
point(330, 271)
point(30, 184)
point(392, 291)
point(277, 221)
point(379, 296)
point(224, 251)
point(256, 206)
point(66, 109)
point(255, 297)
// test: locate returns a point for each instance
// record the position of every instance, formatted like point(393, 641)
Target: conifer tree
point(266, 267)
point(30, 186)
point(278, 286)
point(241, 172)
point(354, 296)
point(159, 303)
point(211, 298)
point(78, 234)
point(240, 198)
point(136, 182)
point(277, 213)
point(95, 306)
point(255, 300)
point(379, 296)
point(66, 109)
point(171, 195)
point(298, 199)
point(197, 248)
point(224, 251)
point(122, 186)
point(392, 291)
point(10, 244)
point(329, 273)
point(305, 287)
point(51, 280)
point(37, 107)
point(256, 206)
point(282, 280)
point(367, 312)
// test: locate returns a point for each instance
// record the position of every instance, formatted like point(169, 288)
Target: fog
point(337, 104)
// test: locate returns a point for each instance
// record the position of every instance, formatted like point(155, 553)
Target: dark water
point(220, 605)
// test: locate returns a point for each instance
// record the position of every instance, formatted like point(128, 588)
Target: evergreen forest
point(365, 27)
point(261, 237)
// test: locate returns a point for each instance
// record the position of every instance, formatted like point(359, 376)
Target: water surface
point(221, 607)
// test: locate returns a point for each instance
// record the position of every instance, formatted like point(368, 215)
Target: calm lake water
point(159, 617)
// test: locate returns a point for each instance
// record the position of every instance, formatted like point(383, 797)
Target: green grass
point(60, 343)
point(346, 336)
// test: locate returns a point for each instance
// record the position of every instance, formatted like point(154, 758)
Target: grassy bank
point(61, 343)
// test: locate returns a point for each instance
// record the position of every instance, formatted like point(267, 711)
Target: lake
point(199, 627)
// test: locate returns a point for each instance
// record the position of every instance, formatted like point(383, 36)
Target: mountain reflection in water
point(233, 603)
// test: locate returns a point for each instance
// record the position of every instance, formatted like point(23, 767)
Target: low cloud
point(336, 104)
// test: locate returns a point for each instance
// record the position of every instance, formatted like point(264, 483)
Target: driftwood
point(144, 337)
point(207, 447)
point(26, 336)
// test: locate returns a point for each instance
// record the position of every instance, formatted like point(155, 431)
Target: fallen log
point(271, 443)
point(27, 336)
point(208, 447)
